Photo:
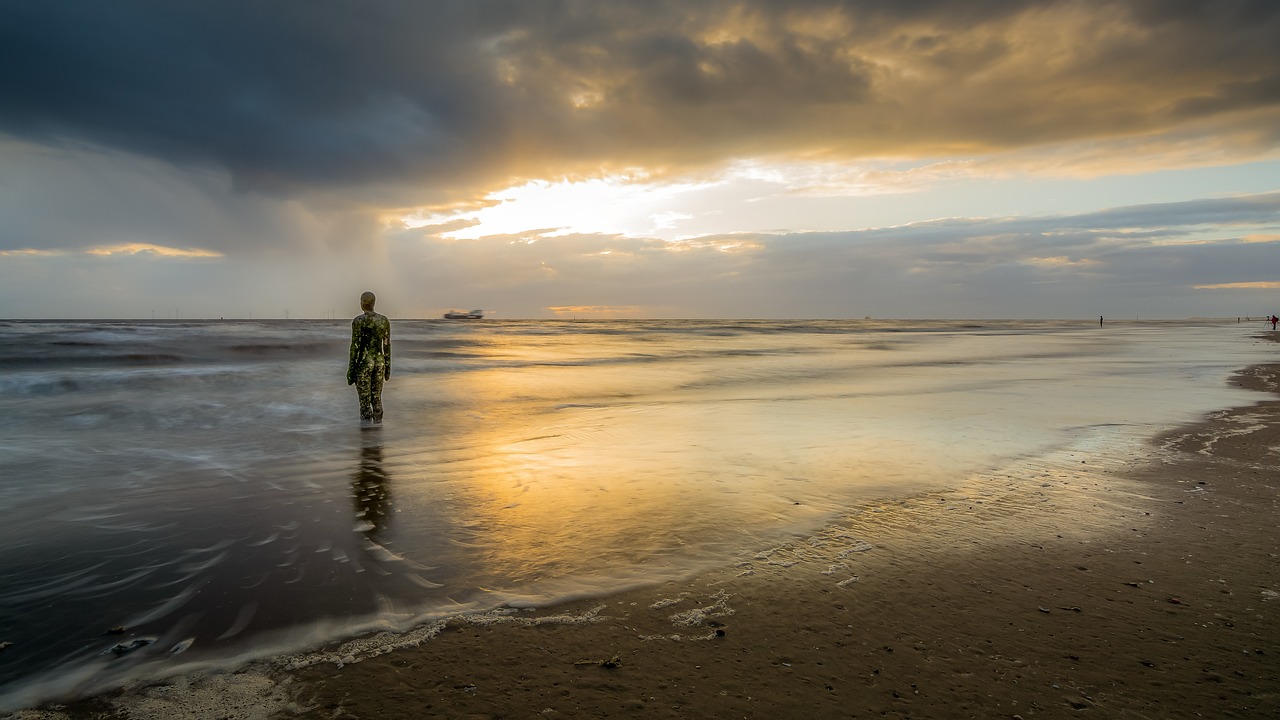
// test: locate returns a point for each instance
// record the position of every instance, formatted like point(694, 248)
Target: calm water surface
point(206, 486)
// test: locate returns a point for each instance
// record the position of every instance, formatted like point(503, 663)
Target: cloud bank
point(289, 96)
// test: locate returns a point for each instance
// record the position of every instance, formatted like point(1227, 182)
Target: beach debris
point(125, 648)
point(1043, 610)
point(844, 584)
point(1175, 601)
point(5, 645)
point(1077, 702)
point(182, 646)
point(1072, 608)
point(117, 630)
point(610, 664)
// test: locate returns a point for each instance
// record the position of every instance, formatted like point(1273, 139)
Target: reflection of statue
point(371, 492)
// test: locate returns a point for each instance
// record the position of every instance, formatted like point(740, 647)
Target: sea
point(177, 495)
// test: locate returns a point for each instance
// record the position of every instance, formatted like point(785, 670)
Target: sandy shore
point(1139, 587)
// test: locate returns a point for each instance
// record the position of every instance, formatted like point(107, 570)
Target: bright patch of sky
point(760, 197)
point(615, 205)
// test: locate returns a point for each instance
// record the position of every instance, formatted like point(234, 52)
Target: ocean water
point(177, 495)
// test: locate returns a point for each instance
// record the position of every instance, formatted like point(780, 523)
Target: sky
point(640, 158)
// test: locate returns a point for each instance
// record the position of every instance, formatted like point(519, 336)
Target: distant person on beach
point(370, 363)
point(1274, 320)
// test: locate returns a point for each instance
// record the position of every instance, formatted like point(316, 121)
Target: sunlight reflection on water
point(224, 502)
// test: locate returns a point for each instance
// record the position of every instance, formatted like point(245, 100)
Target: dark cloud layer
point(451, 96)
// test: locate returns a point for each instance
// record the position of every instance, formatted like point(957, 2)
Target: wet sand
point(1137, 587)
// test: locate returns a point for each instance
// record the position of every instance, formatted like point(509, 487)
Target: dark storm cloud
point(287, 96)
point(276, 93)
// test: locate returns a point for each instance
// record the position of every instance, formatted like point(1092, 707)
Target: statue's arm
point(386, 351)
point(355, 353)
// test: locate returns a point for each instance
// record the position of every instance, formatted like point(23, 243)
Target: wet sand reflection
point(371, 489)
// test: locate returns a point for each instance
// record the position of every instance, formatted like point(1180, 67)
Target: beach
point(544, 359)
point(1141, 585)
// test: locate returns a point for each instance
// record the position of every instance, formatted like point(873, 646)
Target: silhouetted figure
point(370, 363)
point(371, 492)
point(1099, 321)
point(1274, 320)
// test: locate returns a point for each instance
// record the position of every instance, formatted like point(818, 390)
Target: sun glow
point(760, 195)
point(615, 205)
point(632, 205)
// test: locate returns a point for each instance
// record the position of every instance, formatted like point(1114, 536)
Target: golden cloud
point(1091, 83)
point(1259, 285)
point(611, 311)
point(31, 252)
point(1059, 261)
point(161, 250)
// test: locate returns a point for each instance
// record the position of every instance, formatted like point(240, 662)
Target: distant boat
point(459, 315)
